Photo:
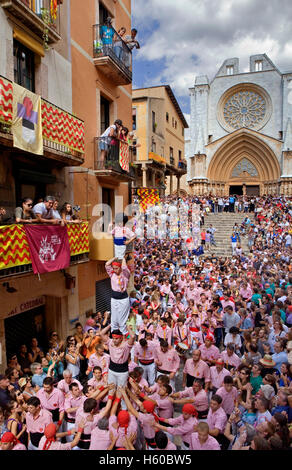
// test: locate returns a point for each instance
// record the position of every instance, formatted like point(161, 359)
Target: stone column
point(144, 176)
point(153, 178)
point(244, 189)
point(170, 183)
point(178, 185)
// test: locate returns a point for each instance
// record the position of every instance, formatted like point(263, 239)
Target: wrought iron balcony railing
point(112, 54)
point(110, 159)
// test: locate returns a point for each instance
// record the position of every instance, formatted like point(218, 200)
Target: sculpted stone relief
point(244, 166)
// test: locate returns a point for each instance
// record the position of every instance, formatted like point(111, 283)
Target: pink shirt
point(57, 445)
point(164, 333)
point(210, 444)
point(169, 360)
point(120, 282)
point(119, 354)
point(184, 427)
point(100, 361)
point(100, 439)
point(145, 353)
point(38, 424)
point(53, 401)
point(200, 369)
point(200, 398)
point(228, 399)
point(217, 420)
point(72, 402)
point(209, 354)
point(147, 421)
point(120, 232)
point(164, 406)
point(218, 377)
point(89, 425)
point(19, 447)
point(64, 387)
point(181, 333)
point(233, 360)
point(143, 384)
point(132, 428)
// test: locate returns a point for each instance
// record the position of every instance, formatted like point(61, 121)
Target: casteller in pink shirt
point(210, 444)
point(228, 399)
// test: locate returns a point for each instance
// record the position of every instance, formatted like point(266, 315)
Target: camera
point(76, 208)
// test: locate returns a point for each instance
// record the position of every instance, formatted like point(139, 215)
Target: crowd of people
point(195, 354)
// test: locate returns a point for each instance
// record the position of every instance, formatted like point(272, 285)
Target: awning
point(28, 42)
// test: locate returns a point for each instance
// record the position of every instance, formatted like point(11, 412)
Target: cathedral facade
point(241, 131)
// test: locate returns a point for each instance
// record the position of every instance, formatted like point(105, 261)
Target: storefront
point(24, 322)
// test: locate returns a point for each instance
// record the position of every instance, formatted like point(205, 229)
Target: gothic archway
point(241, 146)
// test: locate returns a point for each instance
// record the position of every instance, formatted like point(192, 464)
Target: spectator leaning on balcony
point(131, 43)
point(109, 134)
point(67, 214)
point(24, 214)
point(118, 43)
point(44, 212)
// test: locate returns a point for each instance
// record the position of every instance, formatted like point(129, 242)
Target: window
point(230, 70)
point(103, 14)
point(104, 114)
point(171, 159)
point(175, 124)
point(134, 115)
point(258, 65)
point(183, 131)
point(179, 154)
point(172, 122)
point(167, 117)
point(154, 125)
point(24, 70)
point(153, 146)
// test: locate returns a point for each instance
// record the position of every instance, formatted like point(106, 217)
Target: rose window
point(245, 109)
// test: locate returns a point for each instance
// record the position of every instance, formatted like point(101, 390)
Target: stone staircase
point(224, 223)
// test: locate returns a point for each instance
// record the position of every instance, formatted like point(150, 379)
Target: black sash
point(119, 295)
point(84, 442)
point(55, 414)
point(35, 438)
point(119, 367)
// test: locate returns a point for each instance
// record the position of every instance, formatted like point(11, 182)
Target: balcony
point(37, 15)
point(15, 258)
point(63, 133)
point(108, 160)
point(111, 55)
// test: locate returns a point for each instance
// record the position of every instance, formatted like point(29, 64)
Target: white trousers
point(120, 310)
point(120, 251)
point(149, 372)
point(32, 447)
point(120, 380)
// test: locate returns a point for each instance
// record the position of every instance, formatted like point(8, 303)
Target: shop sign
point(27, 305)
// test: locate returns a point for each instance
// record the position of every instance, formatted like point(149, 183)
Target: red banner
point(49, 248)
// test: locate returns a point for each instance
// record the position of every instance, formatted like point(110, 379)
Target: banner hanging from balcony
point(27, 120)
point(49, 249)
point(6, 101)
point(147, 197)
point(124, 156)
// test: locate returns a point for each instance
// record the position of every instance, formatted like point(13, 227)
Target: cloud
point(194, 37)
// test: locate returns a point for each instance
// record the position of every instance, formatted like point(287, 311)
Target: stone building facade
point(241, 130)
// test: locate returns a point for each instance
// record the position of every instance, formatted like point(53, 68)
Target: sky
point(181, 39)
